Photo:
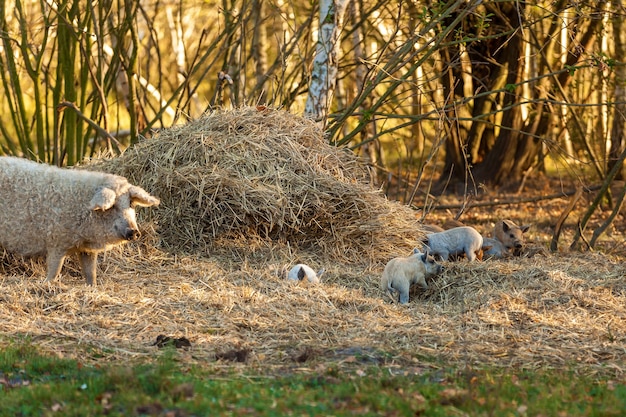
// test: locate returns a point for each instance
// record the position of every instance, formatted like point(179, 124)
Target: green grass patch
point(37, 385)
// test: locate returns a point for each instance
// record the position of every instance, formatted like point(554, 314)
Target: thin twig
point(617, 205)
point(559, 224)
point(110, 138)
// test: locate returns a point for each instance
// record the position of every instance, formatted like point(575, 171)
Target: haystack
point(263, 174)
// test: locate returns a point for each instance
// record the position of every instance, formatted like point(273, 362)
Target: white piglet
point(54, 212)
point(400, 273)
point(456, 241)
point(301, 271)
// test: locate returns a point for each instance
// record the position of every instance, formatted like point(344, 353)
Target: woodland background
point(458, 103)
point(438, 95)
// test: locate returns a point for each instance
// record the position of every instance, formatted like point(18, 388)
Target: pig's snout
point(518, 245)
point(131, 234)
point(128, 232)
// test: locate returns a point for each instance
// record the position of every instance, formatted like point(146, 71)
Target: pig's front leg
point(88, 263)
point(54, 262)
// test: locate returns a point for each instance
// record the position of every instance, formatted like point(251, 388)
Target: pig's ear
point(139, 197)
point(525, 228)
point(103, 199)
point(505, 226)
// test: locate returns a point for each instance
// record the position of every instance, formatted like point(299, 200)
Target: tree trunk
point(415, 147)
point(515, 151)
point(494, 64)
point(178, 45)
point(452, 83)
point(370, 150)
point(258, 53)
point(512, 151)
point(618, 126)
point(325, 63)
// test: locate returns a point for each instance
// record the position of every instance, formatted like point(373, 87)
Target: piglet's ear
point(139, 197)
point(103, 200)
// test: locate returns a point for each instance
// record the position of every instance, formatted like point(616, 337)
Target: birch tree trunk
point(176, 32)
point(324, 72)
point(565, 45)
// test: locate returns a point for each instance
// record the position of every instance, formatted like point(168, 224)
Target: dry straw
point(246, 192)
point(263, 174)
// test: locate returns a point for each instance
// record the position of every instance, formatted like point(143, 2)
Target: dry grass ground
point(224, 293)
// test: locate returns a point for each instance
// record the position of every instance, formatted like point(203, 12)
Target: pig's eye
point(511, 235)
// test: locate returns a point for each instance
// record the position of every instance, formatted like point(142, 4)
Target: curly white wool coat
point(54, 212)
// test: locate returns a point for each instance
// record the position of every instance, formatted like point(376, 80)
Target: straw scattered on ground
point(208, 269)
point(555, 311)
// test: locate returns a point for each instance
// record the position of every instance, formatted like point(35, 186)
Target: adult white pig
point(54, 212)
